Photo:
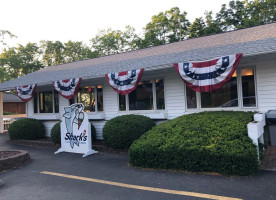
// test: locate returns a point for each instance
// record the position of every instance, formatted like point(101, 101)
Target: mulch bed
point(97, 145)
point(6, 154)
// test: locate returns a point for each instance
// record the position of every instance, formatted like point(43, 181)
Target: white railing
point(9, 119)
point(256, 130)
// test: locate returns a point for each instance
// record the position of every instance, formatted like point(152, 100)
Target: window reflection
point(141, 98)
point(248, 87)
point(122, 102)
point(191, 98)
point(86, 96)
point(227, 96)
point(160, 100)
point(100, 98)
point(46, 102)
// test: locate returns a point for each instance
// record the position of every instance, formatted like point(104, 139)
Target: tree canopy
point(165, 27)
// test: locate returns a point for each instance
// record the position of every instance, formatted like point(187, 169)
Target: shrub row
point(207, 141)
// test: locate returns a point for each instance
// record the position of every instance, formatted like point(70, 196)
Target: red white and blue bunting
point(124, 82)
point(67, 88)
point(208, 75)
point(26, 92)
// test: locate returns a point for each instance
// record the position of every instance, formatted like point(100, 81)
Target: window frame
point(154, 97)
point(239, 92)
point(38, 102)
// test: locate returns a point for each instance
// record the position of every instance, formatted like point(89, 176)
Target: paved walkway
point(269, 161)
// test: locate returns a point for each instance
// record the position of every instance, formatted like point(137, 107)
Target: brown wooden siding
point(14, 107)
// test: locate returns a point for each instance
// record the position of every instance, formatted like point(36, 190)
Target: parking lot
point(108, 176)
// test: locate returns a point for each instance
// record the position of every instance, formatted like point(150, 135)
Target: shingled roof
point(250, 41)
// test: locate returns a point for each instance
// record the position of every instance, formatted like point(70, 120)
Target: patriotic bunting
point(208, 75)
point(26, 92)
point(124, 82)
point(67, 88)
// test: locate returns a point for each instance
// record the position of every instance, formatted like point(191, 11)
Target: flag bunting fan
point(207, 76)
point(67, 88)
point(26, 92)
point(126, 81)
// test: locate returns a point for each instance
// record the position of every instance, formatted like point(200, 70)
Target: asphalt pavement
point(107, 176)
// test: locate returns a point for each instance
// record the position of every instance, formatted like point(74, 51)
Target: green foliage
point(165, 27)
point(18, 61)
point(110, 41)
point(207, 141)
point(121, 131)
point(9, 113)
point(26, 129)
point(55, 133)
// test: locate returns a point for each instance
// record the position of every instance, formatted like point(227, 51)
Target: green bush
point(55, 133)
point(120, 132)
point(26, 129)
point(207, 141)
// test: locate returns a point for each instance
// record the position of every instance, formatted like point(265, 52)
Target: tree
point(178, 24)
point(3, 35)
point(244, 14)
point(197, 28)
point(168, 26)
point(110, 41)
point(53, 52)
point(75, 51)
point(18, 61)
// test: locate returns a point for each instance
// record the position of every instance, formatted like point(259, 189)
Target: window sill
point(222, 108)
point(151, 114)
point(46, 116)
point(96, 116)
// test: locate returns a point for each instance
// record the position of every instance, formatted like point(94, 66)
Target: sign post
point(75, 131)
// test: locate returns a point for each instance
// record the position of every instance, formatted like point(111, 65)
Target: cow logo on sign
point(75, 131)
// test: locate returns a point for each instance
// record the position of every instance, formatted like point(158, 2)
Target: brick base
point(269, 161)
point(17, 160)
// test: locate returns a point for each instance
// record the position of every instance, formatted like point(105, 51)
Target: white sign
point(75, 131)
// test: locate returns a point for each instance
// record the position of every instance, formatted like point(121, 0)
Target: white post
point(1, 113)
point(256, 130)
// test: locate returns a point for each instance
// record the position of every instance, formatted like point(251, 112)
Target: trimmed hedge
point(121, 131)
point(26, 129)
point(55, 133)
point(207, 141)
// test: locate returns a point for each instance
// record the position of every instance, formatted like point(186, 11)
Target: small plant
point(120, 132)
point(26, 129)
point(55, 133)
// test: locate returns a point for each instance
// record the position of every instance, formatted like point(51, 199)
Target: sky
point(80, 20)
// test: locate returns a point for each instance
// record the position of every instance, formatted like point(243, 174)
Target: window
point(228, 96)
point(142, 97)
point(148, 95)
point(160, 99)
point(46, 102)
point(91, 97)
point(191, 98)
point(248, 88)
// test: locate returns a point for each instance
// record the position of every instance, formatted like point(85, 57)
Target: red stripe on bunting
point(123, 73)
point(204, 64)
